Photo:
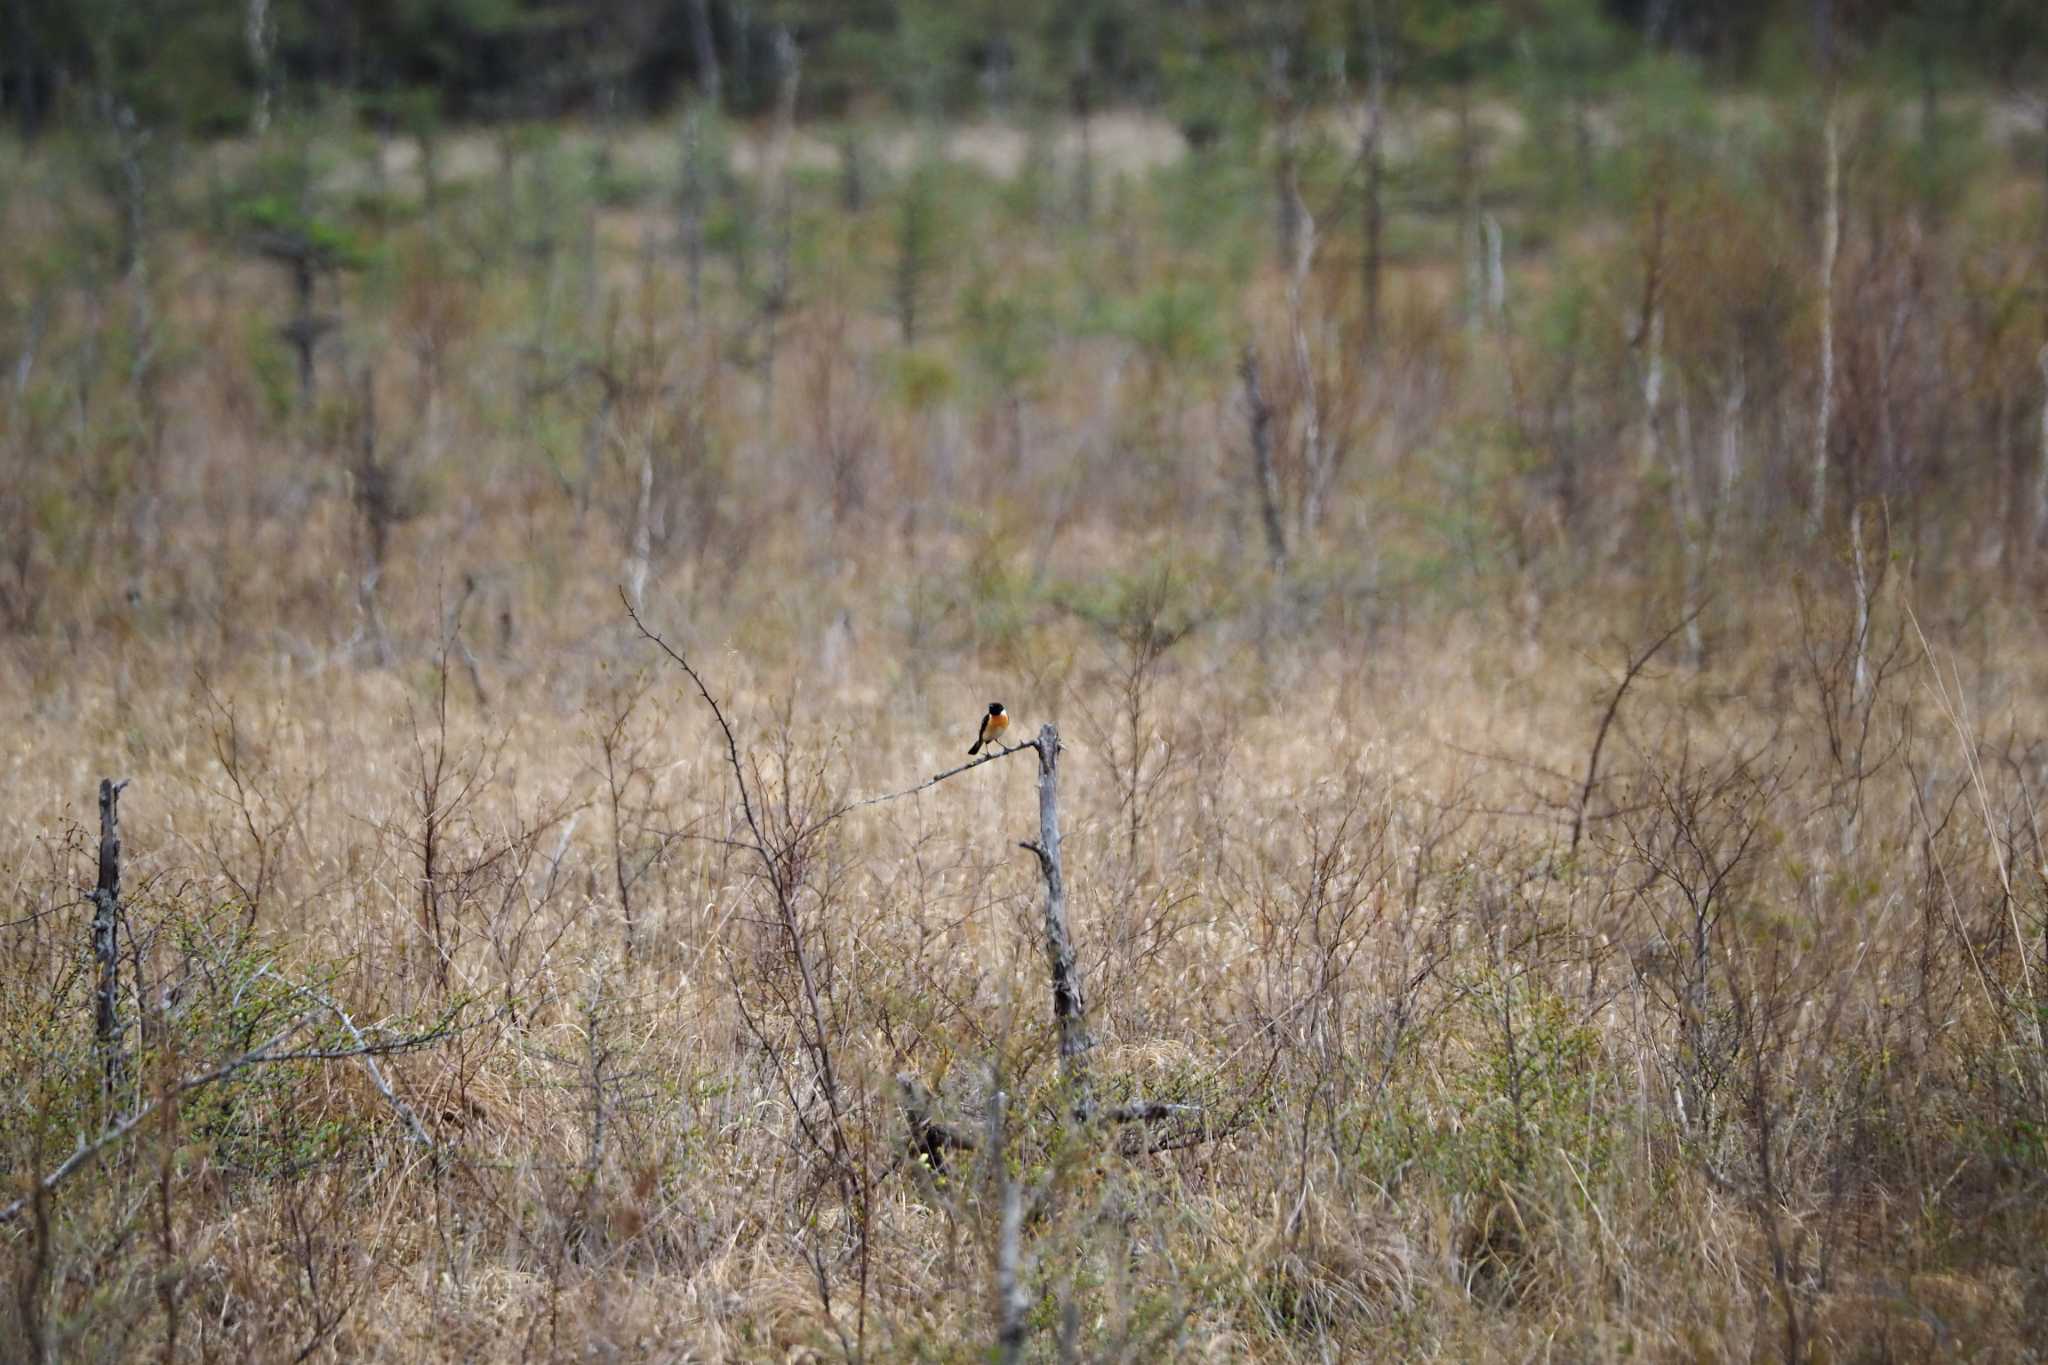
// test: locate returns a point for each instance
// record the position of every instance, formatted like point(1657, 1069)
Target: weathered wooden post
point(1069, 1002)
point(106, 899)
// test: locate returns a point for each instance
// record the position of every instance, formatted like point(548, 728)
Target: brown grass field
point(1527, 1007)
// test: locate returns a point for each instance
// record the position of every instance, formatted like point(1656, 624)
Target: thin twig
point(1635, 666)
point(732, 747)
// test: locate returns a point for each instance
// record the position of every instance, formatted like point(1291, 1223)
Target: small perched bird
point(992, 725)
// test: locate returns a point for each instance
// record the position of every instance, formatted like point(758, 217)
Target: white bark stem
point(1830, 247)
point(262, 35)
point(1315, 455)
point(1653, 389)
point(1691, 526)
point(2041, 499)
point(1731, 438)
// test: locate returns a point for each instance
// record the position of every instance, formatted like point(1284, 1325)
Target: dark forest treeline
point(216, 66)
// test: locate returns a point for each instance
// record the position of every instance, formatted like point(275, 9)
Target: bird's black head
point(995, 708)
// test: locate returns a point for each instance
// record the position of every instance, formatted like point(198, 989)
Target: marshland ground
point(1542, 608)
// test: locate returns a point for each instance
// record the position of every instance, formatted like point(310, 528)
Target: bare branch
point(90, 1152)
point(732, 747)
point(936, 778)
point(367, 1052)
point(1151, 1111)
point(812, 1031)
point(1636, 665)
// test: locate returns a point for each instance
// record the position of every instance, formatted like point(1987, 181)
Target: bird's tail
point(974, 748)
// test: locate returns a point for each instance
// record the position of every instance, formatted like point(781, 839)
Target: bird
point(992, 725)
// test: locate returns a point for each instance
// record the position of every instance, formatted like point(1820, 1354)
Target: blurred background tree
point(204, 65)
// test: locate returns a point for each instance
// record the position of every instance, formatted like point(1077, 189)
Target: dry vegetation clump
point(1566, 908)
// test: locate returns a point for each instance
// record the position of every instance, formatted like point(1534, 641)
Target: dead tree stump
point(1069, 1001)
point(106, 947)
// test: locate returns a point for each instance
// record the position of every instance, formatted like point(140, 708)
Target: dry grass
point(1756, 1070)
